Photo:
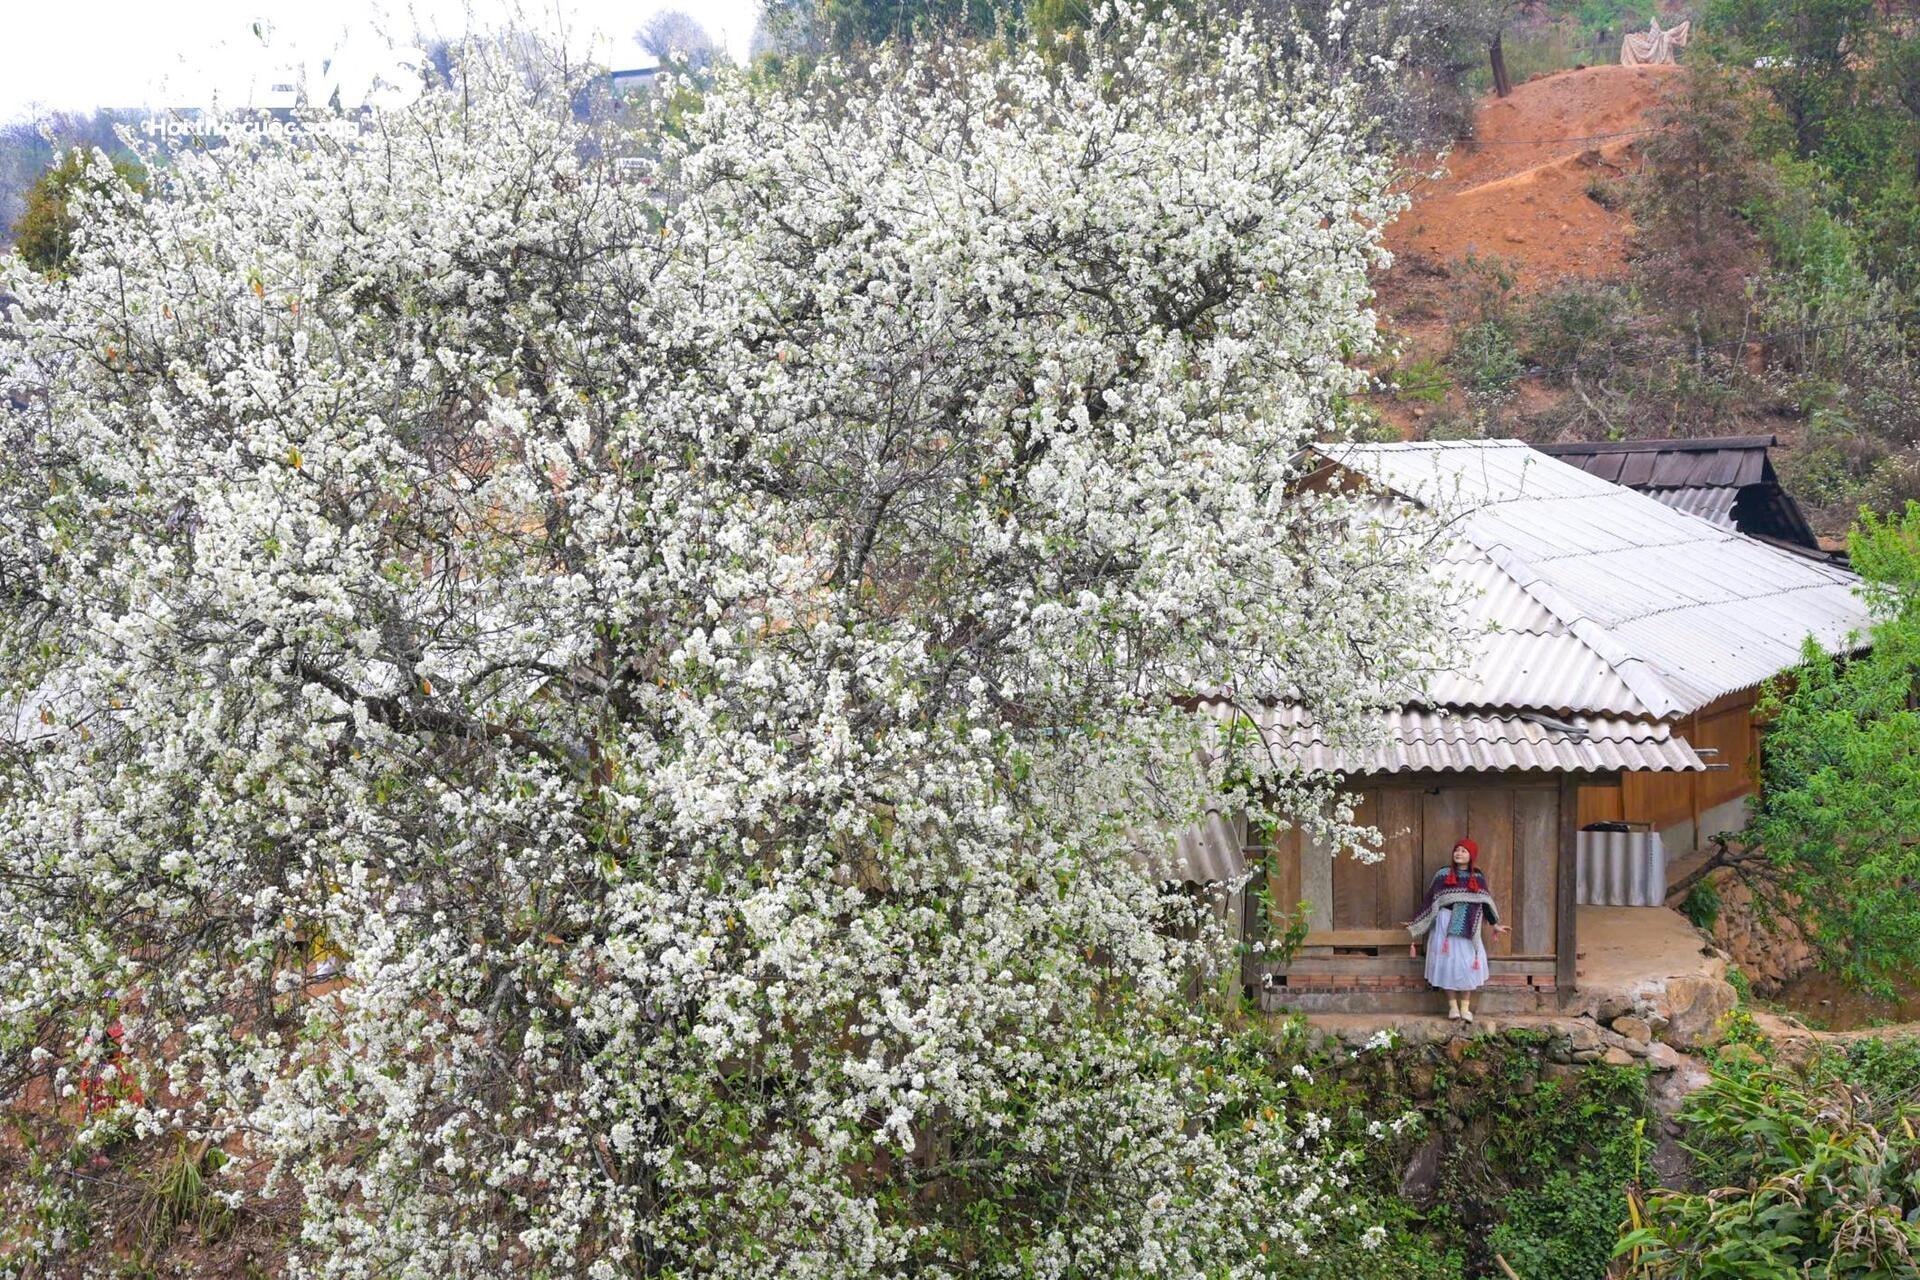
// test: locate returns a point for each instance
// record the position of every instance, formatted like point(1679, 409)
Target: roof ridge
point(1390, 446)
point(1671, 444)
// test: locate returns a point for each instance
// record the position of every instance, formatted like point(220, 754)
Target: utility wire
point(1678, 349)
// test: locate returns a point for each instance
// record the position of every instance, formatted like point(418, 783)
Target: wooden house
point(1619, 643)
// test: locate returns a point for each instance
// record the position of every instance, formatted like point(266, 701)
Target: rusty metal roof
point(1729, 480)
point(1710, 461)
point(1605, 601)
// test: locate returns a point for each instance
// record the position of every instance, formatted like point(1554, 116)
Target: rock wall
point(1767, 946)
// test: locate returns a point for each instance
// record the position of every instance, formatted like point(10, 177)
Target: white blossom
point(603, 728)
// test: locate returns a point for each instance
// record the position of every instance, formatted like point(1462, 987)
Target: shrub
point(1525, 1164)
point(1809, 1178)
point(44, 232)
point(1573, 324)
point(1449, 423)
point(1606, 193)
point(1702, 905)
point(1425, 380)
point(1565, 1225)
point(1486, 360)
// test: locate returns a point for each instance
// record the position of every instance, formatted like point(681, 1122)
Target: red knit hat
point(1473, 862)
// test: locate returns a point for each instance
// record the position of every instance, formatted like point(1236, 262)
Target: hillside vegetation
point(1723, 247)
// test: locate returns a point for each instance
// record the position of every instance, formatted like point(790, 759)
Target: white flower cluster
point(599, 727)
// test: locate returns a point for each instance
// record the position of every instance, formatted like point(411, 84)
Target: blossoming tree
point(598, 719)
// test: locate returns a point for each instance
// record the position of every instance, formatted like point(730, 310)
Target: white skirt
point(1455, 964)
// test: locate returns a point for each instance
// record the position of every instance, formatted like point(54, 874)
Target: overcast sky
point(136, 53)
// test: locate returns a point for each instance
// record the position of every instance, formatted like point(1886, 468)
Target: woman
point(1458, 899)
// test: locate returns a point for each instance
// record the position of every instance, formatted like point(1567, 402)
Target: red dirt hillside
point(1518, 190)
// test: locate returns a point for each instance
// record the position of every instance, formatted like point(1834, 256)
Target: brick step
point(1489, 999)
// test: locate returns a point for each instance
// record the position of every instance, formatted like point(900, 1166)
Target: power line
point(1690, 348)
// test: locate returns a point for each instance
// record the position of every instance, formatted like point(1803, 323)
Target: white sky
point(137, 53)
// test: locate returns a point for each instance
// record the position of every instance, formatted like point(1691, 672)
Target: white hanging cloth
point(1653, 46)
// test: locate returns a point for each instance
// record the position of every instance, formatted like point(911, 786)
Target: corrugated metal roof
point(1415, 740)
point(1418, 739)
point(1714, 505)
point(1710, 462)
point(1517, 648)
point(1211, 851)
point(1658, 612)
point(1729, 480)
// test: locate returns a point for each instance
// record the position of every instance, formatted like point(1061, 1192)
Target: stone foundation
point(1645, 978)
point(1295, 983)
point(1769, 948)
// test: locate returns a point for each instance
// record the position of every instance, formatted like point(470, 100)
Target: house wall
point(1355, 949)
point(1685, 807)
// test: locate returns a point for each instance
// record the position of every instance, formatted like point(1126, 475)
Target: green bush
point(1387, 1240)
point(1529, 1161)
point(1566, 1225)
point(1486, 360)
point(1809, 1177)
point(1702, 905)
point(1889, 1070)
point(1449, 423)
point(1425, 380)
point(1575, 324)
point(44, 232)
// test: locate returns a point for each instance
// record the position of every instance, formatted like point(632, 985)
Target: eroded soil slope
point(1531, 187)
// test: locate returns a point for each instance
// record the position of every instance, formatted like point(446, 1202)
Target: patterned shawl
point(1449, 888)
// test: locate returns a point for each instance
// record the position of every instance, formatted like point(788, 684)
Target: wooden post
point(1694, 782)
point(1565, 942)
point(1496, 55)
point(1254, 924)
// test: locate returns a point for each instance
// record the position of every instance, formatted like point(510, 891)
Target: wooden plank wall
point(1358, 904)
point(1664, 799)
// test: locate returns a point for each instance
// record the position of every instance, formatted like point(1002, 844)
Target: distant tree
point(29, 147)
point(1407, 60)
point(43, 234)
point(1900, 68)
point(812, 27)
point(1700, 174)
point(675, 36)
point(1497, 14)
point(1809, 54)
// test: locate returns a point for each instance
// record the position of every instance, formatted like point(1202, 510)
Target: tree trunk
point(1501, 85)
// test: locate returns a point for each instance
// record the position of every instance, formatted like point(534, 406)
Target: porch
point(1354, 954)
